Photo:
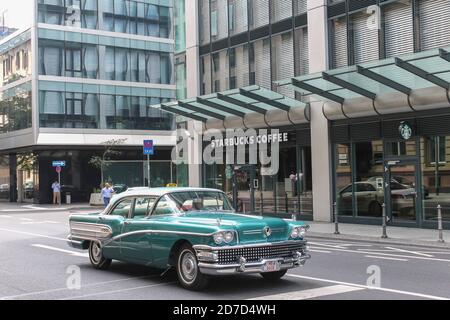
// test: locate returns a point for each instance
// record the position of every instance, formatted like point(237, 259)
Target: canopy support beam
point(273, 103)
point(422, 73)
point(317, 91)
point(182, 113)
point(220, 107)
point(383, 80)
point(349, 86)
point(241, 104)
point(201, 111)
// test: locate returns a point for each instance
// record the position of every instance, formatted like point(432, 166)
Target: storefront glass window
point(435, 176)
point(4, 178)
point(343, 176)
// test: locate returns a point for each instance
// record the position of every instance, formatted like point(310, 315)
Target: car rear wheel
point(188, 272)
point(96, 257)
point(274, 276)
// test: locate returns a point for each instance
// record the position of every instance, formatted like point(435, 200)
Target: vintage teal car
point(195, 231)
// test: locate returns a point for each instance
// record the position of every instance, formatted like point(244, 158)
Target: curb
point(417, 243)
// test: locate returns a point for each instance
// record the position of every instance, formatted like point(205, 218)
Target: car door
point(115, 219)
point(136, 240)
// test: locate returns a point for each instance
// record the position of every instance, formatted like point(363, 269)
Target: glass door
point(402, 191)
point(244, 188)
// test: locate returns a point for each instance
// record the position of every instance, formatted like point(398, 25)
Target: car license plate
point(272, 266)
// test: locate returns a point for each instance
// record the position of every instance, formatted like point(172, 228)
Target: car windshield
point(207, 201)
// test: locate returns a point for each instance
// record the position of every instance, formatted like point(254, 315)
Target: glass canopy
point(237, 102)
point(402, 74)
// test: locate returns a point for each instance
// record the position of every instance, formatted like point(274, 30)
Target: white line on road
point(408, 251)
point(26, 219)
point(319, 251)
point(33, 234)
point(83, 287)
point(311, 293)
point(415, 294)
point(5, 216)
point(72, 253)
point(386, 258)
point(385, 254)
point(119, 291)
point(40, 222)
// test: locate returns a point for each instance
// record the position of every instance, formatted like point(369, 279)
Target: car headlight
point(223, 237)
point(298, 232)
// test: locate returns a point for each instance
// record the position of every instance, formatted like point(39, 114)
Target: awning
point(419, 81)
point(249, 107)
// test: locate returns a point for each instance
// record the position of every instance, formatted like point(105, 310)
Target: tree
point(101, 162)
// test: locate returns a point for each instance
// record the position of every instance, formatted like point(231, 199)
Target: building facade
point(360, 88)
point(80, 81)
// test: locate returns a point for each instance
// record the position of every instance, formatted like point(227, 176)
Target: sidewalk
point(396, 235)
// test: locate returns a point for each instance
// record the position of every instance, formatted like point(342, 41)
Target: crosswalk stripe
point(310, 293)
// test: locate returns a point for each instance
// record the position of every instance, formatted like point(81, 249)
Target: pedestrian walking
point(56, 187)
point(107, 193)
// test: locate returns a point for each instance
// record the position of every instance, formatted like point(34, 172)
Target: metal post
point(384, 236)
point(262, 204)
point(336, 222)
point(286, 202)
point(148, 170)
point(441, 236)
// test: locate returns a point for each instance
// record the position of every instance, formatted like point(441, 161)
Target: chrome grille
point(255, 254)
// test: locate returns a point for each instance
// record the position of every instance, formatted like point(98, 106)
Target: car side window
point(143, 206)
point(122, 208)
point(165, 206)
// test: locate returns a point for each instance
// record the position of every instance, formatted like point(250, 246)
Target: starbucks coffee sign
point(405, 130)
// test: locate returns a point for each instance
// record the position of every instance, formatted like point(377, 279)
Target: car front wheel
point(188, 272)
point(274, 276)
point(96, 257)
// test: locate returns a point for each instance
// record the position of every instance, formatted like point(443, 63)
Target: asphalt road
point(37, 264)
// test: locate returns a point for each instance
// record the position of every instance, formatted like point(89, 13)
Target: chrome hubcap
point(188, 266)
point(96, 252)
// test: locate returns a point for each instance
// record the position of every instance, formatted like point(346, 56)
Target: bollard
point(441, 236)
point(286, 201)
point(336, 222)
point(262, 205)
point(384, 236)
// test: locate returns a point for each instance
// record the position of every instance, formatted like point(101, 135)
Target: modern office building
point(81, 78)
point(360, 87)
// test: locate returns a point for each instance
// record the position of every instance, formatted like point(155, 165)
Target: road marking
point(83, 286)
point(5, 216)
point(40, 222)
point(26, 219)
point(386, 258)
point(33, 234)
point(72, 253)
point(319, 251)
point(389, 254)
point(408, 251)
point(415, 294)
point(119, 291)
point(311, 293)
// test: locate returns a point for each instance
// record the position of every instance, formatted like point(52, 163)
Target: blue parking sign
point(149, 148)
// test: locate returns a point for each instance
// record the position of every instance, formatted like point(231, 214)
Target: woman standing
point(107, 193)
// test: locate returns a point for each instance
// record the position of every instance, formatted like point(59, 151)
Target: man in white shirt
point(56, 187)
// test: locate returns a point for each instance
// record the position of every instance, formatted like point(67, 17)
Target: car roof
point(145, 191)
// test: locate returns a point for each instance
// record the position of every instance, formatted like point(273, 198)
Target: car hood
point(250, 228)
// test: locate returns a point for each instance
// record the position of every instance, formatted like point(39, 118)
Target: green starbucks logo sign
point(405, 130)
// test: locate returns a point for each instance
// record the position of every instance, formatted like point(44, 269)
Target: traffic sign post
point(148, 151)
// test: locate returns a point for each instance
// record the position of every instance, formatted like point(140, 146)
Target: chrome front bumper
point(209, 261)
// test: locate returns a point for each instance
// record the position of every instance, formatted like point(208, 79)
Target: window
point(25, 59)
point(437, 147)
point(143, 206)
point(122, 208)
point(165, 206)
point(73, 59)
point(17, 60)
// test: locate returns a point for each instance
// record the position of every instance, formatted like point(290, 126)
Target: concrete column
point(193, 90)
point(12, 177)
point(320, 142)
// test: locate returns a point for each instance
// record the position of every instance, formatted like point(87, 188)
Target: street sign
point(58, 169)
point(59, 164)
point(148, 148)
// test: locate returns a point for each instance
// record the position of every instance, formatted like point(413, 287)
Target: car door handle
point(127, 223)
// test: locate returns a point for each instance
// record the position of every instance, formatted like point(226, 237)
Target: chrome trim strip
point(257, 231)
point(267, 244)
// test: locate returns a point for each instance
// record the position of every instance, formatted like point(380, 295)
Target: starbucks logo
point(405, 130)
